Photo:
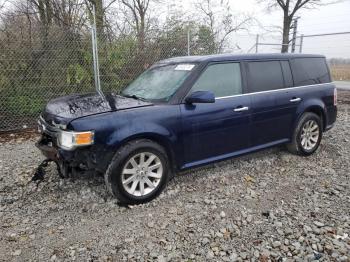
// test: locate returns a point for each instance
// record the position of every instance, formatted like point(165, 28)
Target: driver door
point(214, 131)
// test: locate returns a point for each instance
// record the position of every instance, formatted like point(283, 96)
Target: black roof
point(226, 57)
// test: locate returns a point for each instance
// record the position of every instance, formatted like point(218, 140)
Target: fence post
point(188, 41)
point(301, 43)
point(95, 54)
point(256, 43)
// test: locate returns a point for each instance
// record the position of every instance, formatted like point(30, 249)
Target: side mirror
point(200, 97)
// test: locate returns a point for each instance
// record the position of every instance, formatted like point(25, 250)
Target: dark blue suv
point(190, 111)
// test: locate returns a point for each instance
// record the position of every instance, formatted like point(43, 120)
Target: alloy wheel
point(142, 174)
point(309, 135)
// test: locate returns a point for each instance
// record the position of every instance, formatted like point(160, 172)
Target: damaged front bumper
point(90, 158)
point(64, 159)
point(47, 149)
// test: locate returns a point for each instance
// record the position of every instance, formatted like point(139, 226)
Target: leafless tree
point(101, 8)
point(221, 21)
point(138, 9)
point(289, 9)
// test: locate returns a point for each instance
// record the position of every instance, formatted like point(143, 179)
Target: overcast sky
point(324, 19)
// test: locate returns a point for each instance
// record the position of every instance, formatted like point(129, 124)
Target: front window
point(222, 79)
point(159, 83)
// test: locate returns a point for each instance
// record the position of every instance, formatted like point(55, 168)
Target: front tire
point(138, 172)
point(307, 135)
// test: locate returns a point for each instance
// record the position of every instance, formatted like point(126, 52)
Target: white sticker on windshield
point(184, 67)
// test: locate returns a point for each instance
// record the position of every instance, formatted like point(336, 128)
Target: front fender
point(157, 133)
point(159, 123)
point(149, 130)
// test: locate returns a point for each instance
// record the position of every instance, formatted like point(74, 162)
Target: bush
point(24, 105)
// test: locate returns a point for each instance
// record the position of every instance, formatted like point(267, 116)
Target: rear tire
point(138, 172)
point(307, 135)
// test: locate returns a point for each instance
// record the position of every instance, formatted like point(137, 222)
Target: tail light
point(335, 97)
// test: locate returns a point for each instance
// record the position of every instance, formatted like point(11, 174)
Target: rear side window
point(221, 79)
point(264, 76)
point(309, 71)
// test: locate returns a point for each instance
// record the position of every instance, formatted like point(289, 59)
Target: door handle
point(295, 99)
point(241, 108)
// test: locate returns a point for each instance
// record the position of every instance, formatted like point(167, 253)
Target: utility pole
point(188, 41)
point(257, 43)
point(301, 43)
point(295, 29)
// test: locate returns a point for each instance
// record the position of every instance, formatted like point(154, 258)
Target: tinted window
point(221, 79)
point(308, 71)
point(265, 75)
point(287, 74)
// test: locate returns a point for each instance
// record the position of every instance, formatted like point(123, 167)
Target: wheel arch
point(319, 111)
point(156, 138)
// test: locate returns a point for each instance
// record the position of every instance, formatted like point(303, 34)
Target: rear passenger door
point(211, 131)
point(272, 110)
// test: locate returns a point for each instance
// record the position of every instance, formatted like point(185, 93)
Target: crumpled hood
point(64, 109)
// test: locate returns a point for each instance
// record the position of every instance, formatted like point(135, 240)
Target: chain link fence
point(43, 63)
point(38, 66)
point(35, 68)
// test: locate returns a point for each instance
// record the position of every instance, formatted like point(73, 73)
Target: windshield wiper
point(134, 97)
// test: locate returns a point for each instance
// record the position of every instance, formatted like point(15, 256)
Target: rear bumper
point(332, 112)
point(329, 127)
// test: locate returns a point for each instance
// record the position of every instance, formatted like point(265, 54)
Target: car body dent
point(62, 110)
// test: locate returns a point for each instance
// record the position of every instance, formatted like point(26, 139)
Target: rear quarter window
point(310, 71)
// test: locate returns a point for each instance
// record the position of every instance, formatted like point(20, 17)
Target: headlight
point(70, 140)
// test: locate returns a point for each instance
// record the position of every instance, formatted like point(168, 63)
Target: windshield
point(159, 83)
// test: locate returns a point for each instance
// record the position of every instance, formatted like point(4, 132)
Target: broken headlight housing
point(69, 139)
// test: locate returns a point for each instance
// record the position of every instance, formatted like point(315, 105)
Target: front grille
point(49, 132)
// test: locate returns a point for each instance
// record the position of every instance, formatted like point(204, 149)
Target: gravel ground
point(267, 206)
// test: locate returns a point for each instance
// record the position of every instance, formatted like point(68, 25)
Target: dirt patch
point(19, 136)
